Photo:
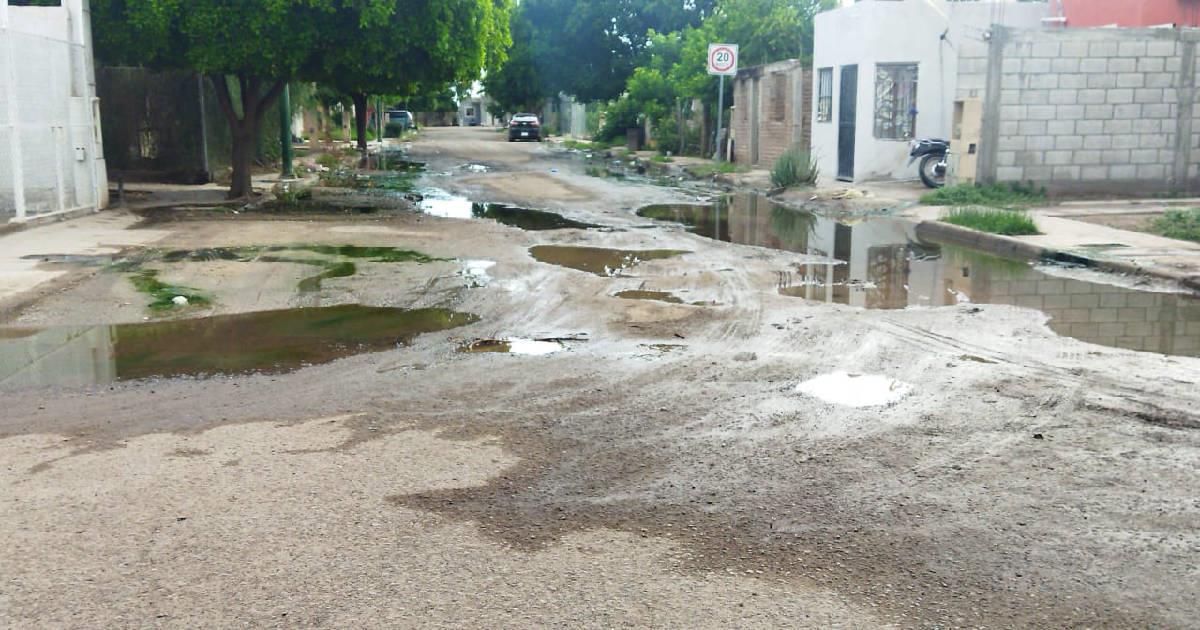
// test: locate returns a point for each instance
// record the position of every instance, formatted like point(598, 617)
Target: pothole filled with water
point(598, 260)
point(655, 296)
point(512, 345)
point(440, 203)
point(881, 263)
point(264, 342)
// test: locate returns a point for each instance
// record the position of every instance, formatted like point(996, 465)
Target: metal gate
point(847, 119)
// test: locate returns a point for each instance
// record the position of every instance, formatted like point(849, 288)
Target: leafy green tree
point(421, 45)
point(589, 49)
point(250, 49)
point(517, 86)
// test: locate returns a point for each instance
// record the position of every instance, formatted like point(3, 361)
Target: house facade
point(771, 112)
point(886, 72)
point(51, 156)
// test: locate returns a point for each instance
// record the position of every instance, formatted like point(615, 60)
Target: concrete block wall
point(1089, 110)
point(1106, 315)
point(772, 112)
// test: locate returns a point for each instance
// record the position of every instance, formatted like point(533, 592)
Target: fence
point(50, 157)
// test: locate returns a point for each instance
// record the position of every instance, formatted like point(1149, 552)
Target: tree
point(249, 48)
point(517, 86)
point(420, 45)
point(589, 49)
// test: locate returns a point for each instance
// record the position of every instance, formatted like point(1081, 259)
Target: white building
point(51, 157)
point(885, 72)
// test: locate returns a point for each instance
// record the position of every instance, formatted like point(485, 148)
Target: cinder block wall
point(1090, 110)
point(772, 112)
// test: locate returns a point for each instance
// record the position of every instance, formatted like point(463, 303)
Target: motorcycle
point(933, 154)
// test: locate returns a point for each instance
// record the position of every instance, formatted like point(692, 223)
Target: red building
point(1128, 13)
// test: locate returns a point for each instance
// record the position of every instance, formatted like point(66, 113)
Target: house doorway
point(847, 118)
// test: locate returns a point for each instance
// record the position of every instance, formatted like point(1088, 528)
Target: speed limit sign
point(723, 59)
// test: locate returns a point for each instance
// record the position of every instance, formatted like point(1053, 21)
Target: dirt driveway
point(662, 470)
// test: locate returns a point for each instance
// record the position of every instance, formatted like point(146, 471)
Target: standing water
point(880, 263)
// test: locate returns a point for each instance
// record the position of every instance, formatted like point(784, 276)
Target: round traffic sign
point(722, 58)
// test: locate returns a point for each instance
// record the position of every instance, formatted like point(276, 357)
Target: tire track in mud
point(1143, 400)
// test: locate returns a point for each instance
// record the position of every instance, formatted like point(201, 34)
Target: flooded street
point(535, 397)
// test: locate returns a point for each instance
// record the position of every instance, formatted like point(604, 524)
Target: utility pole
point(285, 134)
point(720, 116)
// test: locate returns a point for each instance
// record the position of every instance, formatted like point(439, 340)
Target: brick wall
point(772, 112)
point(1090, 110)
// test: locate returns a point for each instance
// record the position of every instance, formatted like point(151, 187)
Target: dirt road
point(660, 471)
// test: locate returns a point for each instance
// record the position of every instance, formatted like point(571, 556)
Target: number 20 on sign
point(723, 59)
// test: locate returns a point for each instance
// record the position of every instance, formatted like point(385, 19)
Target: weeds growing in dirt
point(993, 221)
point(796, 167)
point(1180, 224)
point(708, 170)
point(1011, 195)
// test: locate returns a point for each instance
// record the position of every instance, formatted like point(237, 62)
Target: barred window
point(895, 101)
point(825, 95)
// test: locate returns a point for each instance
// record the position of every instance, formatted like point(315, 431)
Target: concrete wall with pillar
point(51, 157)
point(1092, 110)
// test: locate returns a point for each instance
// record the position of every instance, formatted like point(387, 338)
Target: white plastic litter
point(855, 390)
point(180, 300)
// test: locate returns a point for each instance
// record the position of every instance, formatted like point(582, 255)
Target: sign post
point(723, 62)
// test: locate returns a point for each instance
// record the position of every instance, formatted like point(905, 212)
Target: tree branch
point(269, 98)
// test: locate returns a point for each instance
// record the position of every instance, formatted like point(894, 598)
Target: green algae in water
point(336, 270)
point(269, 342)
point(163, 295)
point(598, 260)
point(657, 296)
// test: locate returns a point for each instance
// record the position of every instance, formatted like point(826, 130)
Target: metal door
point(847, 117)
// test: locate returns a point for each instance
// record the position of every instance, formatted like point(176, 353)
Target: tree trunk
point(360, 122)
point(244, 128)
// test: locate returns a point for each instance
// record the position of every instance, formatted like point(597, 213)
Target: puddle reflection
point(264, 342)
point(880, 263)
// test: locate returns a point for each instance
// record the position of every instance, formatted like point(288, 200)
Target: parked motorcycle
point(933, 154)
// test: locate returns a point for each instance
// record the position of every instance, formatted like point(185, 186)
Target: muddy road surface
point(703, 450)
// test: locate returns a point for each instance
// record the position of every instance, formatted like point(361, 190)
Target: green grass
point(708, 170)
point(163, 295)
point(1180, 224)
point(993, 196)
point(662, 159)
point(583, 145)
point(993, 221)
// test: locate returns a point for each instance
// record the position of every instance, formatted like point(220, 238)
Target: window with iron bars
point(825, 95)
point(895, 101)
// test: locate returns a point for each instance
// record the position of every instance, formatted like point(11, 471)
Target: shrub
point(329, 161)
point(994, 221)
point(1012, 195)
point(1181, 224)
point(795, 167)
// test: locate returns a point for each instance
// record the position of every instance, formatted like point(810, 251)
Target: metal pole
point(720, 116)
point(285, 134)
point(203, 128)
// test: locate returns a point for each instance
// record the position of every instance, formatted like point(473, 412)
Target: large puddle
point(880, 263)
point(440, 203)
point(598, 260)
point(264, 342)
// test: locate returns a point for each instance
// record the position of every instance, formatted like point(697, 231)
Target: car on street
point(403, 117)
point(525, 127)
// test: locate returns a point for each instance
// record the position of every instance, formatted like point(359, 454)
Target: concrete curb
point(1008, 246)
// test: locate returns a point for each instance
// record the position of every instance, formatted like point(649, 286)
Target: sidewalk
point(101, 233)
point(1063, 230)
